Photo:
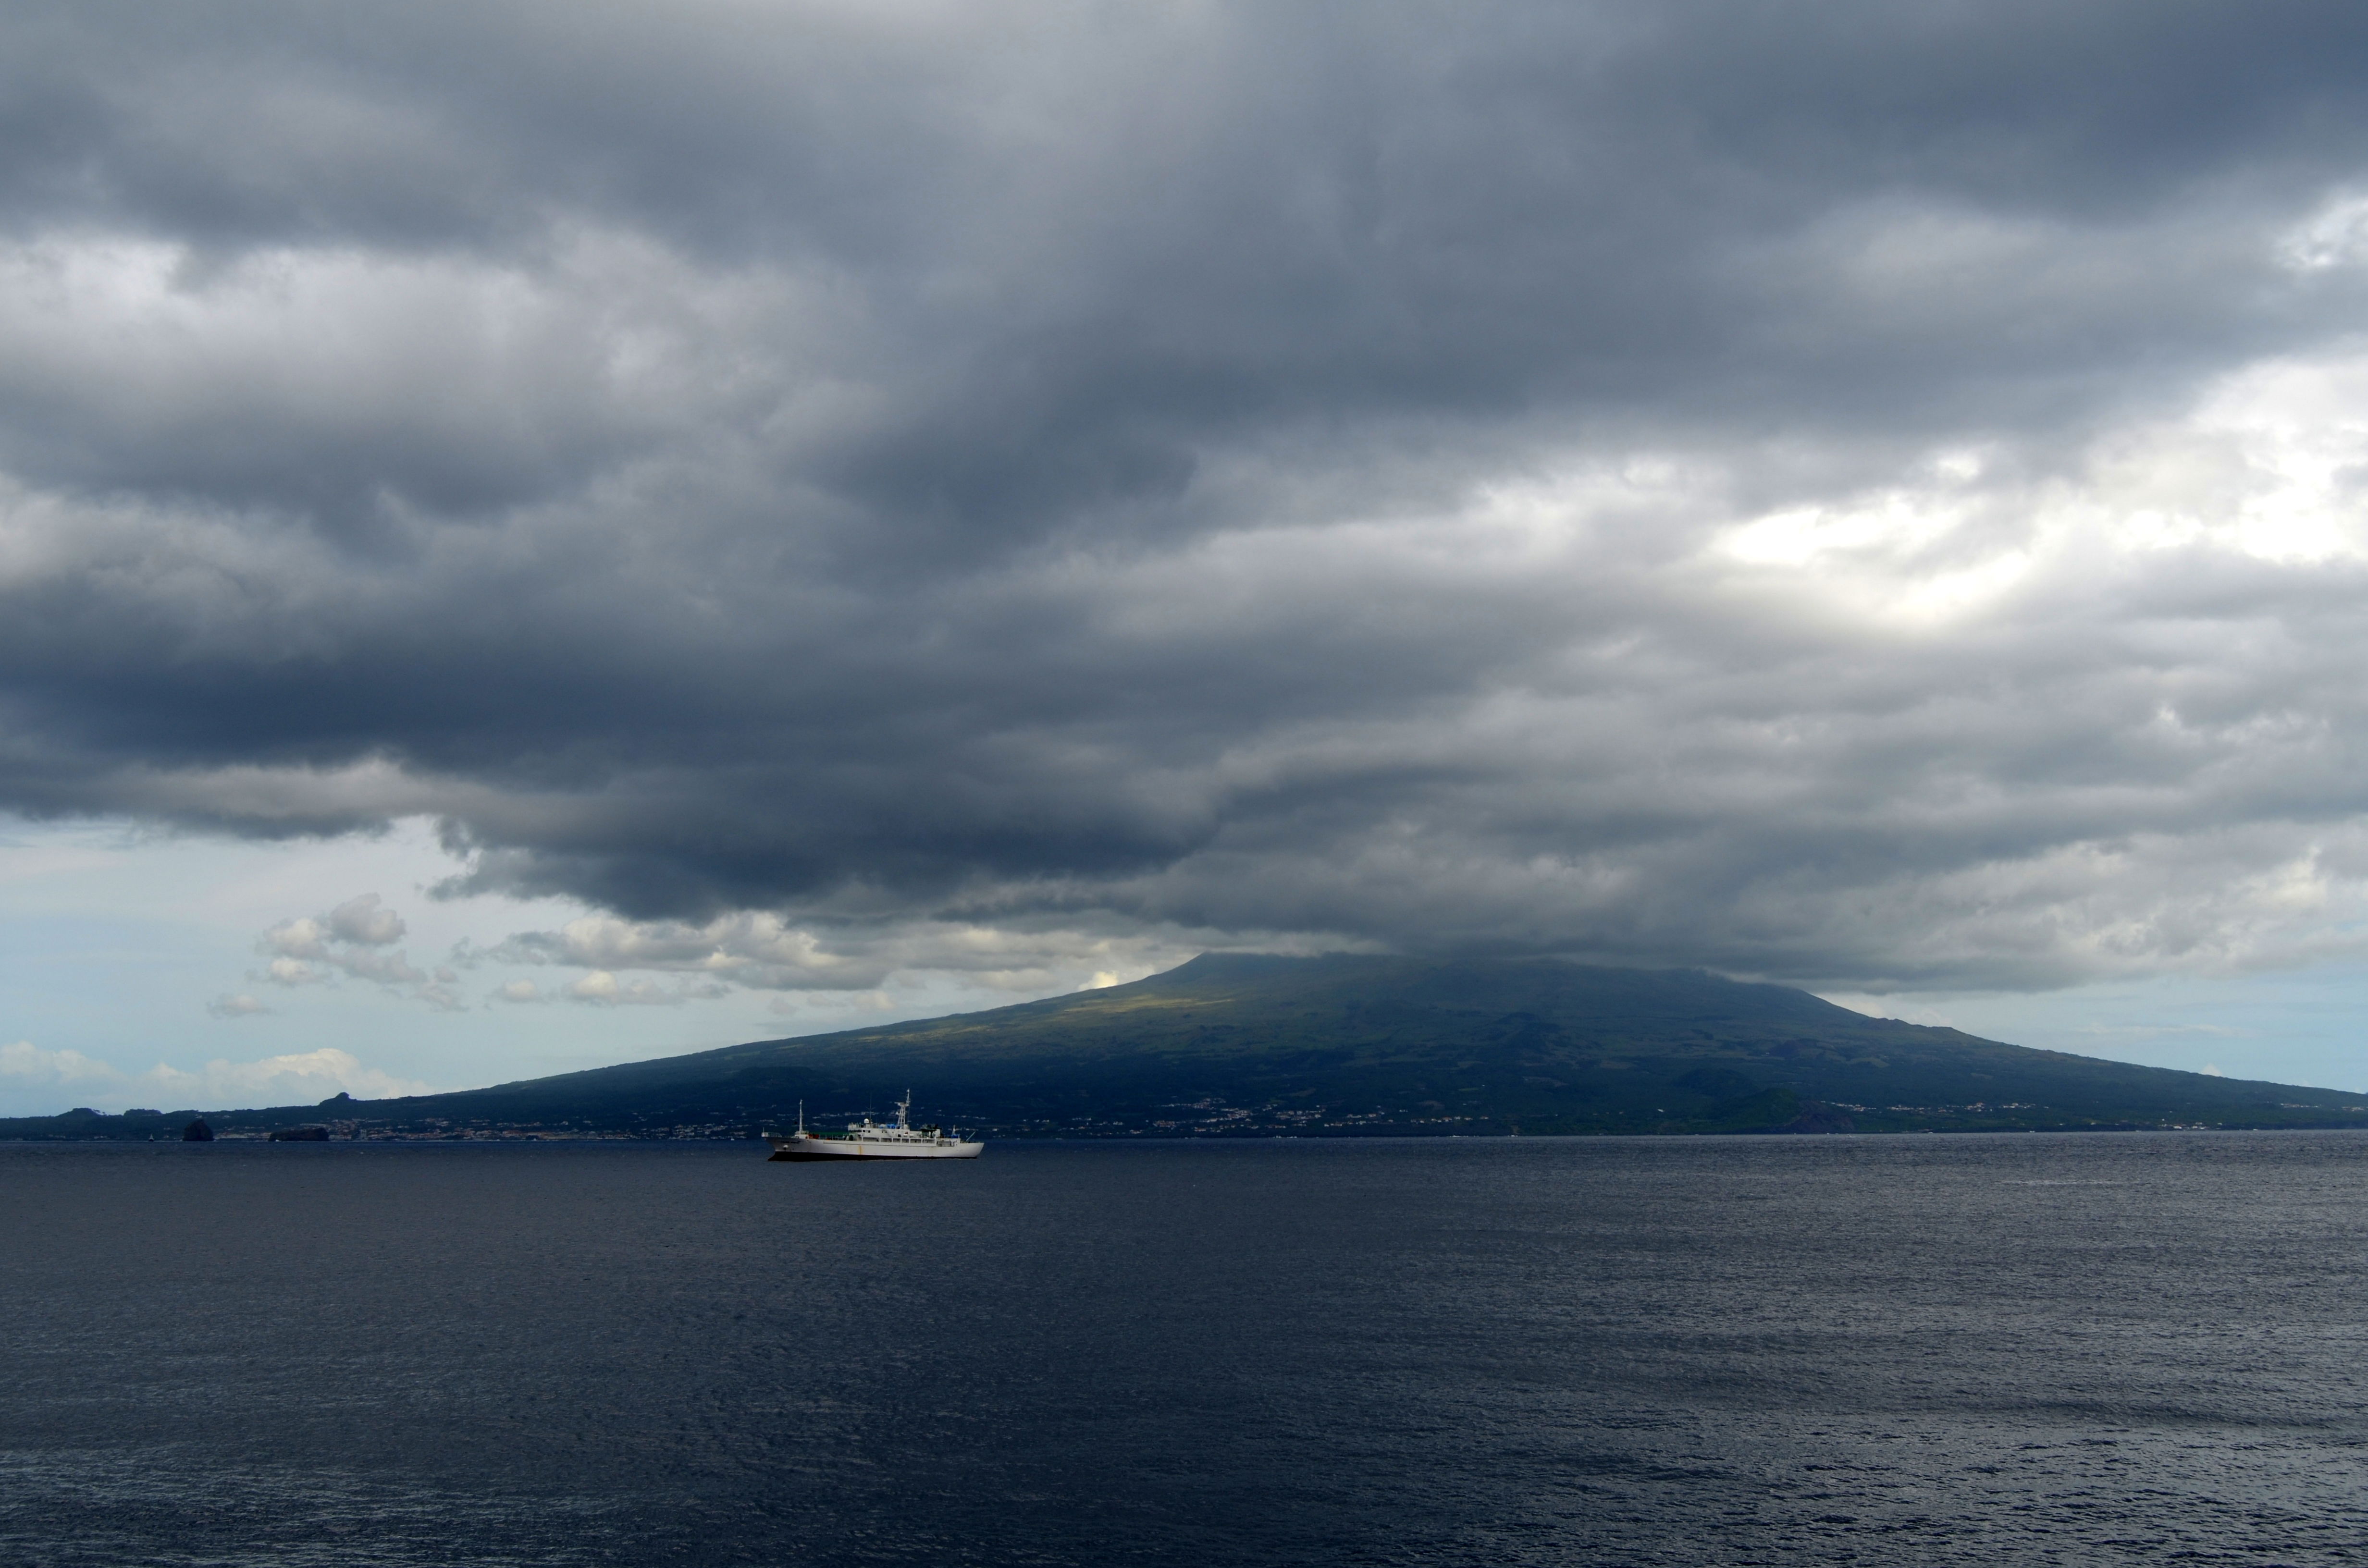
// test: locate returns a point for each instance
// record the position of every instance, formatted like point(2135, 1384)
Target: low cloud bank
point(32, 1080)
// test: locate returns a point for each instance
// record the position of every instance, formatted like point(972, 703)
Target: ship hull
point(805, 1147)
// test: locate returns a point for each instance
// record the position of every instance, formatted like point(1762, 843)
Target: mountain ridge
point(1260, 1045)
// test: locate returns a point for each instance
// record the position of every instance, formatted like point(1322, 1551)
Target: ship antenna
point(801, 1119)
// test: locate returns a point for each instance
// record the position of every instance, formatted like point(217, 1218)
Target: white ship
point(868, 1140)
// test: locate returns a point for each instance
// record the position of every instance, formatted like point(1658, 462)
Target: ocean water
point(1929, 1350)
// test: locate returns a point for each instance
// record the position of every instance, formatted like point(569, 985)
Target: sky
point(540, 535)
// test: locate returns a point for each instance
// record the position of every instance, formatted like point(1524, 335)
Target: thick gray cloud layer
point(1858, 492)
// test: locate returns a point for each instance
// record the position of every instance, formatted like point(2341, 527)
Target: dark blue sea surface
point(2006, 1349)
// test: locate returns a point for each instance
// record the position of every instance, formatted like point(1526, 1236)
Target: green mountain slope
point(1235, 1045)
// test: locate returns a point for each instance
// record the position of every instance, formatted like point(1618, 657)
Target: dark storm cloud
point(1308, 475)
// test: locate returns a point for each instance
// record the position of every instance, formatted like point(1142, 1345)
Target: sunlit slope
point(1356, 1044)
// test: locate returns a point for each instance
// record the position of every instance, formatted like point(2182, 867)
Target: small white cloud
point(519, 991)
point(391, 969)
point(811, 1004)
point(239, 1007)
point(603, 989)
point(356, 938)
point(292, 972)
point(2211, 1071)
point(1102, 979)
point(365, 921)
point(598, 986)
point(299, 939)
